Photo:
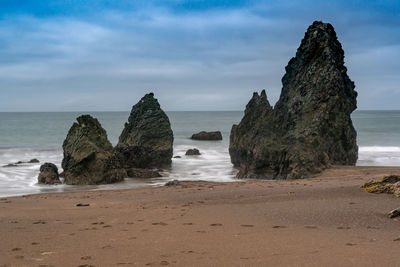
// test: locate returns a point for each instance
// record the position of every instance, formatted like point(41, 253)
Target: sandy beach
point(323, 221)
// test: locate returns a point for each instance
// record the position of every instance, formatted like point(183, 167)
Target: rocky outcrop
point(210, 136)
point(388, 184)
point(192, 152)
point(88, 154)
point(394, 213)
point(142, 173)
point(147, 139)
point(310, 128)
point(16, 164)
point(48, 174)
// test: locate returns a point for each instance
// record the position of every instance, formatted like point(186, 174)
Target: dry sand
point(324, 221)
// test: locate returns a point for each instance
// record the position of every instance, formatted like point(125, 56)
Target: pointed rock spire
point(310, 127)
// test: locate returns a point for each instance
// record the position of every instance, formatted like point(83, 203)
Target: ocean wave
point(379, 156)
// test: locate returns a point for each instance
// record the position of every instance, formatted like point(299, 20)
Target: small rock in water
point(192, 152)
point(209, 136)
point(177, 157)
point(10, 165)
point(34, 161)
point(48, 174)
point(142, 173)
point(172, 183)
point(394, 213)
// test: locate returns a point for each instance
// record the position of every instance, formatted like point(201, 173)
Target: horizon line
point(70, 111)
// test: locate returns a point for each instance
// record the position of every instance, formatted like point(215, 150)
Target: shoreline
point(305, 222)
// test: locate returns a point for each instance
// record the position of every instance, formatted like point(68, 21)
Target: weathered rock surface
point(88, 154)
point(388, 184)
point(147, 139)
point(172, 183)
point(211, 136)
point(16, 164)
point(193, 152)
point(142, 173)
point(310, 127)
point(48, 174)
point(394, 213)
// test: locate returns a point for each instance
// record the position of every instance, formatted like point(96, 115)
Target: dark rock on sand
point(48, 174)
point(310, 127)
point(34, 161)
point(147, 139)
point(142, 173)
point(192, 152)
point(388, 184)
point(394, 213)
point(87, 154)
point(172, 183)
point(207, 136)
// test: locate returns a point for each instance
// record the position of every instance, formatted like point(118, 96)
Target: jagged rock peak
point(146, 140)
point(310, 127)
point(87, 152)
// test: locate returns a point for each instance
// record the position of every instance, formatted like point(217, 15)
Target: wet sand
point(323, 221)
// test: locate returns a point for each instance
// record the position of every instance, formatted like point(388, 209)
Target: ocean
point(24, 136)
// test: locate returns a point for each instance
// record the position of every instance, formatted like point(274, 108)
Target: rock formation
point(388, 184)
point(192, 152)
point(88, 154)
point(310, 127)
point(142, 173)
point(48, 174)
point(147, 139)
point(212, 136)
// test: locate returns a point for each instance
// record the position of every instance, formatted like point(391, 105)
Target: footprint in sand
point(278, 226)
point(310, 227)
point(247, 225)
point(107, 226)
point(188, 224)
point(350, 244)
point(86, 258)
point(16, 249)
point(164, 263)
point(216, 224)
point(344, 227)
point(34, 243)
point(187, 251)
point(201, 232)
point(397, 239)
point(39, 222)
point(160, 223)
point(19, 257)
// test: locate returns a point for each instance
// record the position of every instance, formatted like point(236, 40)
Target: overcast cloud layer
point(194, 55)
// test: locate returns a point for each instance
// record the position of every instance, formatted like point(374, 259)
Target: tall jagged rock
point(88, 154)
point(147, 139)
point(310, 127)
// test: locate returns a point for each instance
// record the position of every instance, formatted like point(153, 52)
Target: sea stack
point(146, 140)
point(310, 127)
point(87, 154)
point(48, 174)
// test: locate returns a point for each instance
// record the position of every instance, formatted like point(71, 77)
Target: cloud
point(198, 56)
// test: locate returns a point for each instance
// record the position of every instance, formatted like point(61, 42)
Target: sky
point(104, 55)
